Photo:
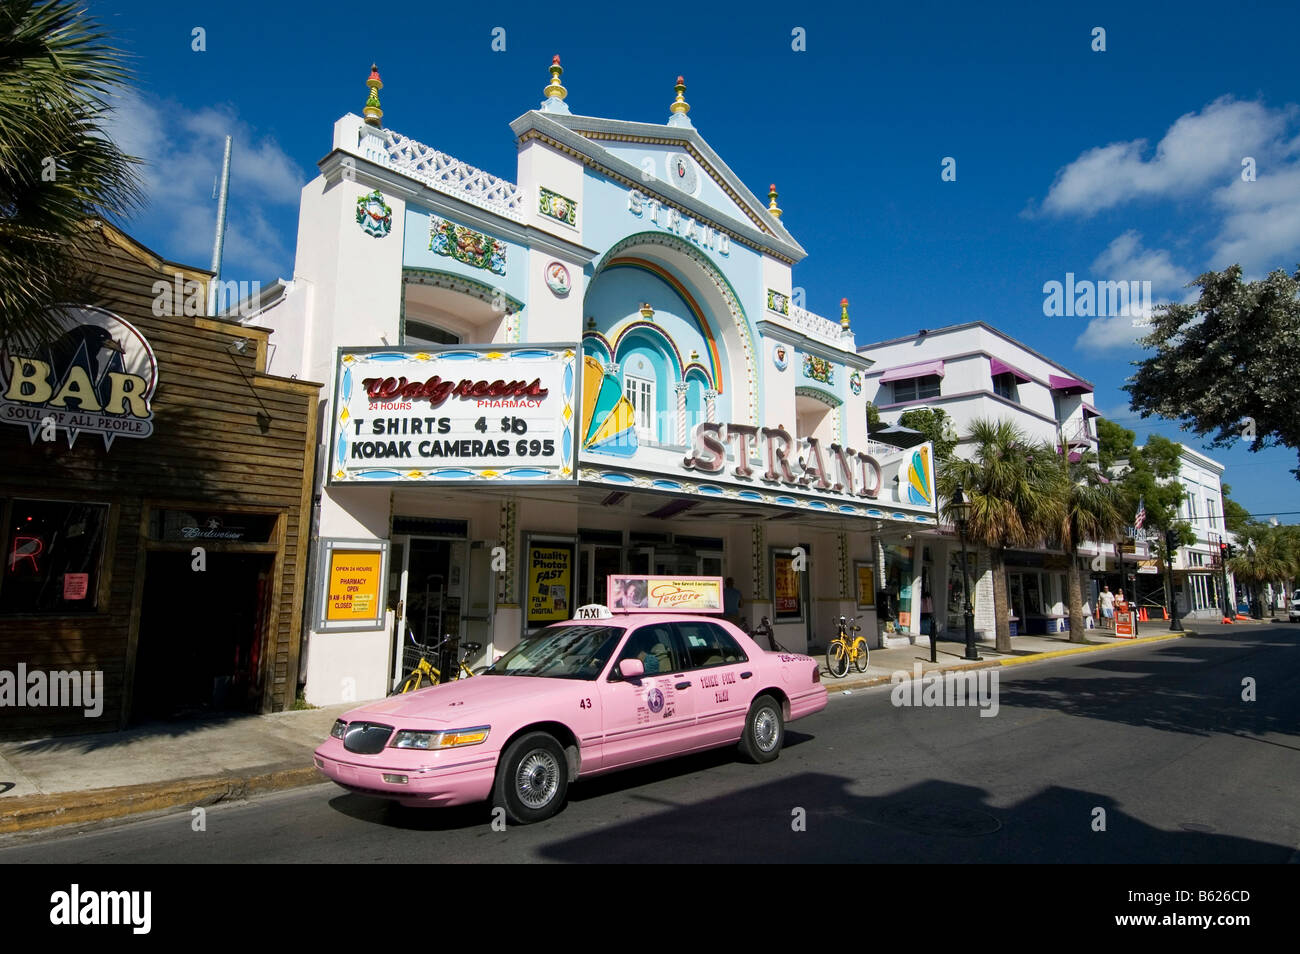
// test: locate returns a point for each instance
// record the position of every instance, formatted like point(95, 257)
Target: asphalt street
point(1141, 754)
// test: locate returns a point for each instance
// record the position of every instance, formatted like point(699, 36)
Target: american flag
point(1141, 517)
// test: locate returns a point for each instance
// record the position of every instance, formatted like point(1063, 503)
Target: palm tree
point(1011, 485)
point(1265, 557)
point(1090, 510)
point(58, 171)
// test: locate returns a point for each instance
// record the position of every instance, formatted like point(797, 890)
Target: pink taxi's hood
point(468, 702)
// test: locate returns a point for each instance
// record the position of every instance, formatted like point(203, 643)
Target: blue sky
point(1117, 165)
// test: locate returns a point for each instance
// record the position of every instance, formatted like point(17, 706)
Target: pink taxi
point(574, 700)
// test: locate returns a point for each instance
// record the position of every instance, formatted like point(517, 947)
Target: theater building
point(595, 369)
point(154, 481)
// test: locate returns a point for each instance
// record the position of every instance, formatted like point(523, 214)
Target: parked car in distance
point(576, 699)
point(1293, 611)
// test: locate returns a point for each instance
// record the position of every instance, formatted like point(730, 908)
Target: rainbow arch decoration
point(920, 483)
point(608, 418)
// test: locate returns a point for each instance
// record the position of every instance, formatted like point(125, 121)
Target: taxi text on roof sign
point(593, 611)
point(666, 594)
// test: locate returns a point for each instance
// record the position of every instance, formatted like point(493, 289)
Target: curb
point(35, 812)
point(996, 663)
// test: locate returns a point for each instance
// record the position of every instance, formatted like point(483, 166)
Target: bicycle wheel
point(861, 653)
point(409, 684)
point(837, 658)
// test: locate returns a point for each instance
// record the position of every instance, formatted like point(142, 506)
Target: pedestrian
point(1107, 602)
point(731, 601)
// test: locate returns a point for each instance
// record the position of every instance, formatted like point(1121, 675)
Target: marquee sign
point(98, 376)
point(498, 412)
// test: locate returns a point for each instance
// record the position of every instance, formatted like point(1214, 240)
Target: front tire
point(764, 731)
point(863, 653)
point(837, 659)
point(532, 779)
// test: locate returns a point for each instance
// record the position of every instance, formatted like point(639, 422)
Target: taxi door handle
point(746, 675)
point(684, 685)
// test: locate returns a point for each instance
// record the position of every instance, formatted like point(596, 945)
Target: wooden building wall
point(208, 451)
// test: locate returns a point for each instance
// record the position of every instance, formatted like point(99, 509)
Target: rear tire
point(837, 659)
point(864, 653)
point(532, 778)
point(764, 731)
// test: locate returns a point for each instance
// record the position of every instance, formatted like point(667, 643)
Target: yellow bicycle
point(846, 648)
point(424, 673)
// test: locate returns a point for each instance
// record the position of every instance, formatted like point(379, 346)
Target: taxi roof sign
point(666, 594)
point(593, 611)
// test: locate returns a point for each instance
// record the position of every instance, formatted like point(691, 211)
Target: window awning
point(1090, 411)
point(1068, 385)
point(997, 367)
point(921, 370)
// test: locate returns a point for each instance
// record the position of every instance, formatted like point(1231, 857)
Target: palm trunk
point(1001, 608)
point(1074, 586)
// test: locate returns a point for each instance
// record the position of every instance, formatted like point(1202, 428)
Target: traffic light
point(1224, 551)
point(1231, 551)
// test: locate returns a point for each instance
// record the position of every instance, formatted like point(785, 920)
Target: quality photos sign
point(496, 412)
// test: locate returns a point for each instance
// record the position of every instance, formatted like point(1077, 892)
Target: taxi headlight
point(340, 729)
point(448, 739)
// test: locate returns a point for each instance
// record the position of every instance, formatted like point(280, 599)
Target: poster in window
point(354, 580)
point(787, 603)
point(549, 580)
point(865, 576)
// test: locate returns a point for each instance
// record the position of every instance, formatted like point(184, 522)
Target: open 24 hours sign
point(496, 412)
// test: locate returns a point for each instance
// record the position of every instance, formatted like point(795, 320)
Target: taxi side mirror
point(631, 668)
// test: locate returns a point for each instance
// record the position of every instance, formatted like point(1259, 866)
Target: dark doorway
point(201, 635)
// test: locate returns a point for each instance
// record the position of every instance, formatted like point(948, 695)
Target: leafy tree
point(58, 170)
point(1012, 486)
point(1225, 365)
point(1148, 475)
point(873, 418)
point(935, 425)
point(1090, 510)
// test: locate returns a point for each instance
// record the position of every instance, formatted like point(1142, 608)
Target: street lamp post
point(1171, 542)
point(960, 509)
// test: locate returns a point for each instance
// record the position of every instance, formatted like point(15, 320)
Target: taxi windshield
point(560, 652)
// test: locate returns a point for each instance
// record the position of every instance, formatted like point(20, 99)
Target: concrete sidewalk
point(84, 779)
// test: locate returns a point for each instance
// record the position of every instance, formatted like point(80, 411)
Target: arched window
point(640, 393)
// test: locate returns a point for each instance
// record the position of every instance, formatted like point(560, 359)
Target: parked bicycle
point(423, 673)
point(846, 649)
point(764, 630)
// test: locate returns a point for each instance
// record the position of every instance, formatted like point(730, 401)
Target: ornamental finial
point(844, 312)
point(772, 207)
point(680, 107)
point(556, 89)
point(373, 113)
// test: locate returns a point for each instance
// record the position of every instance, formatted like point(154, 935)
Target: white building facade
point(972, 371)
point(1198, 578)
point(594, 369)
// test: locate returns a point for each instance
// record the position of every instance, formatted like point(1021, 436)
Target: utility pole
point(219, 242)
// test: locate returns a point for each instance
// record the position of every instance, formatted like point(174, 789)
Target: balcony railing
point(820, 329)
point(448, 174)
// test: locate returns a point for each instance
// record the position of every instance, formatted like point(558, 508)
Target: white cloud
point(1125, 259)
point(1197, 150)
point(183, 149)
point(1261, 224)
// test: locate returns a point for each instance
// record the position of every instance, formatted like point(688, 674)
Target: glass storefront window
point(53, 557)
